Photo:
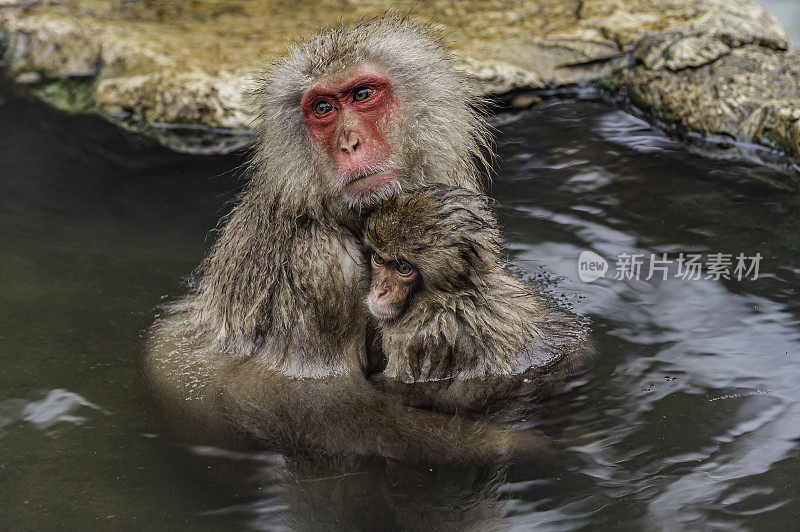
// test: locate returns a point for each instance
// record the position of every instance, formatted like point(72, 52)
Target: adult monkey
point(272, 334)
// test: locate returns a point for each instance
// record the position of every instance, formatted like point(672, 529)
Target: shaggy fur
point(271, 336)
point(471, 334)
point(276, 269)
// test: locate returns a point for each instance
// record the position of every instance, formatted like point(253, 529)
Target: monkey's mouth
point(381, 312)
point(365, 186)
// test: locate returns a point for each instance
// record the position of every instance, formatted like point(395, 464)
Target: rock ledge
point(715, 67)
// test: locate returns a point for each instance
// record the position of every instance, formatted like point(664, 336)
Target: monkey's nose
point(348, 142)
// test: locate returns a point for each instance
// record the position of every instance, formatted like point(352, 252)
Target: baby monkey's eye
point(377, 260)
point(362, 94)
point(404, 268)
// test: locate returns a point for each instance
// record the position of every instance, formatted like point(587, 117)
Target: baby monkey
point(459, 334)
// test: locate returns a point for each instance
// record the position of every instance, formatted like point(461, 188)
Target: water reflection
point(322, 494)
point(694, 397)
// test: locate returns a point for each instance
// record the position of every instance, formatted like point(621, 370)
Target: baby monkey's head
point(434, 242)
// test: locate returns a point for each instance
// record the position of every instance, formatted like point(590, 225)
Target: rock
point(751, 93)
point(523, 101)
point(719, 67)
point(27, 78)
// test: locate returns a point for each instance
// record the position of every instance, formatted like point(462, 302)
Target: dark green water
point(690, 417)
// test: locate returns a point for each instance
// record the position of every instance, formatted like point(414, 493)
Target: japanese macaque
point(458, 332)
point(271, 336)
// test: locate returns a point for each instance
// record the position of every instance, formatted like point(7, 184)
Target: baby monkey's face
point(392, 284)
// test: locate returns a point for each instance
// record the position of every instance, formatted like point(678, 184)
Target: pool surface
point(689, 418)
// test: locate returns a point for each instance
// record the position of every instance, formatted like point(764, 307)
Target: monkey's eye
point(404, 268)
point(362, 94)
point(377, 260)
point(322, 107)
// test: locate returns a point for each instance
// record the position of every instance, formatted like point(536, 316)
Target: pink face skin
point(392, 284)
point(348, 118)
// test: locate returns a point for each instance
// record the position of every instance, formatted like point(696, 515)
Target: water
point(689, 418)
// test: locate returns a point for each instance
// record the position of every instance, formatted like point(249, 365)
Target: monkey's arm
point(558, 351)
point(208, 392)
point(346, 415)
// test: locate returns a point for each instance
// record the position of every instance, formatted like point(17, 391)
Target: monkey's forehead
point(401, 243)
point(403, 224)
point(386, 41)
point(417, 215)
point(422, 218)
point(431, 245)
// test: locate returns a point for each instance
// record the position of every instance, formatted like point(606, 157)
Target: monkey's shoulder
point(329, 254)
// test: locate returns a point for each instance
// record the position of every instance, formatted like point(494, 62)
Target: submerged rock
point(719, 67)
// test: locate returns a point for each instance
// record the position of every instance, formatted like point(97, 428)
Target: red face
point(393, 283)
point(348, 118)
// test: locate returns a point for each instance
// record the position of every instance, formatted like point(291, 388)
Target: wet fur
point(473, 339)
point(270, 338)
